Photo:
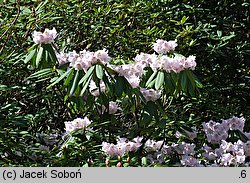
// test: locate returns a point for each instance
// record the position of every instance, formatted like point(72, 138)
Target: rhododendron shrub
point(120, 111)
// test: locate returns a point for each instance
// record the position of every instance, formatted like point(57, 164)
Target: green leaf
point(41, 73)
point(52, 54)
point(183, 78)
point(159, 80)
point(151, 78)
point(87, 75)
point(119, 86)
point(219, 33)
point(99, 71)
point(60, 78)
point(191, 78)
point(39, 56)
point(67, 80)
point(85, 86)
point(184, 19)
point(30, 56)
point(144, 161)
point(75, 83)
point(150, 110)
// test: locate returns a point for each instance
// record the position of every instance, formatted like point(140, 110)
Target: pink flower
point(101, 56)
point(236, 123)
point(190, 161)
point(134, 81)
point(150, 94)
point(110, 149)
point(77, 124)
point(162, 46)
point(113, 107)
point(190, 62)
point(227, 159)
point(152, 145)
point(46, 37)
point(62, 58)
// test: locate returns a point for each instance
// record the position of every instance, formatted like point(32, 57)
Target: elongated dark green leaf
point(75, 83)
point(34, 46)
point(41, 74)
point(151, 78)
point(39, 56)
point(99, 71)
point(60, 78)
point(151, 84)
point(46, 53)
point(191, 89)
point(30, 56)
point(43, 79)
point(159, 80)
point(169, 85)
point(119, 86)
point(183, 78)
point(85, 86)
point(67, 80)
point(191, 78)
point(150, 110)
point(52, 54)
point(87, 75)
point(198, 83)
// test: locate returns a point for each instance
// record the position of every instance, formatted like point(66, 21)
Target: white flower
point(162, 46)
point(62, 58)
point(190, 161)
point(101, 56)
point(110, 149)
point(113, 107)
point(150, 94)
point(46, 37)
point(152, 145)
point(236, 123)
point(226, 159)
point(77, 124)
point(134, 81)
point(190, 62)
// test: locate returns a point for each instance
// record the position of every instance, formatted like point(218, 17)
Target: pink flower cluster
point(176, 63)
point(77, 124)
point(132, 72)
point(184, 148)
point(45, 37)
point(150, 94)
point(152, 145)
point(228, 153)
point(163, 47)
point(84, 59)
point(160, 150)
point(216, 132)
point(123, 146)
point(190, 161)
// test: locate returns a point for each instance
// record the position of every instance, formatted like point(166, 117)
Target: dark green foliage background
point(216, 31)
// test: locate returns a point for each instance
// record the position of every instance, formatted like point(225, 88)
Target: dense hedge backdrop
point(216, 31)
